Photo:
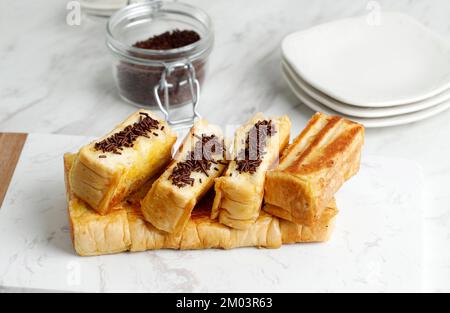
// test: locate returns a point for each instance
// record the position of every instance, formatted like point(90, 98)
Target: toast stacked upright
point(313, 168)
point(239, 193)
point(105, 171)
point(200, 159)
point(125, 192)
point(125, 229)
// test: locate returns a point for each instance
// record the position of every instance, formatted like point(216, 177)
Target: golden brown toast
point(170, 201)
point(320, 231)
point(92, 233)
point(124, 228)
point(201, 232)
point(239, 193)
point(105, 172)
point(325, 155)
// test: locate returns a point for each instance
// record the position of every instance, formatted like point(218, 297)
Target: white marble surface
point(376, 246)
point(56, 79)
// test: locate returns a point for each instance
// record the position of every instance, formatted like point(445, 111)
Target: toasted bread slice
point(313, 168)
point(320, 231)
point(104, 178)
point(201, 232)
point(239, 193)
point(124, 228)
point(94, 234)
point(170, 201)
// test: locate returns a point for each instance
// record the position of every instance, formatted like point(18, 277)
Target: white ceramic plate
point(394, 63)
point(367, 122)
point(360, 111)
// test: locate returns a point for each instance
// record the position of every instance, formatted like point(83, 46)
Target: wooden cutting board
point(11, 145)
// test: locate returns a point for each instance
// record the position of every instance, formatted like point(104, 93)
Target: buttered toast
point(200, 159)
point(124, 228)
point(313, 168)
point(105, 171)
point(239, 192)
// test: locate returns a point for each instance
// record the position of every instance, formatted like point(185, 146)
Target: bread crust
point(167, 206)
point(320, 231)
point(93, 234)
point(313, 168)
point(239, 195)
point(105, 182)
point(124, 228)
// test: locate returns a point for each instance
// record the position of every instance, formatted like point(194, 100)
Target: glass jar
point(104, 8)
point(159, 78)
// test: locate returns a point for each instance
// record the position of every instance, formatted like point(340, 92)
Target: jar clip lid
point(164, 85)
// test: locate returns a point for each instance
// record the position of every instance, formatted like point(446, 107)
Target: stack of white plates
point(380, 74)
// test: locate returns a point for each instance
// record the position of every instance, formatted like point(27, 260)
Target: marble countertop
point(56, 78)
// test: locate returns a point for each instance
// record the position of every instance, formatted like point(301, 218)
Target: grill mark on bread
point(301, 157)
point(307, 160)
point(337, 146)
point(340, 143)
point(298, 139)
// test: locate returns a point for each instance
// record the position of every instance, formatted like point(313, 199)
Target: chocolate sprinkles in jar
point(160, 53)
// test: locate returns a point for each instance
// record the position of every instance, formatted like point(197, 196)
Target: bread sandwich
point(107, 170)
point(124, 228)
point(239, 192)
point(173, 196)
point(92, 233)
point(312, 169)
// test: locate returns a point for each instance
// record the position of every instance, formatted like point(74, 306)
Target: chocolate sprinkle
point(255, 144)
point(169, 40)
point(181, 174)
point(126, 138)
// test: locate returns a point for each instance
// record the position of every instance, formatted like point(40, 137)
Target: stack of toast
point(128, 192)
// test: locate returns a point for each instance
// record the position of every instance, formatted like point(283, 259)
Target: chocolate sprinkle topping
point(250, 158)
point(199, 160)
point(126, 138)
point(169, 40)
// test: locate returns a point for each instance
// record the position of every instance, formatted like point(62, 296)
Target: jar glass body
point(138, 71)
point(105, 8)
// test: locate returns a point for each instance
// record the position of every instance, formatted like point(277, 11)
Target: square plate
point(363, 112)
point(395, 62)
point(317, 106)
